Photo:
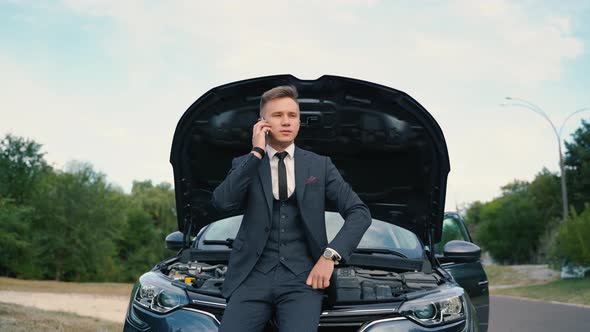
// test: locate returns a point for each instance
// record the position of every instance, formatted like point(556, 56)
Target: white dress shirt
point(274, 169)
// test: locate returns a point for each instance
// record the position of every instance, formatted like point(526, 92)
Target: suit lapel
point(266, 180)
point(301, 173)
point(302, 168)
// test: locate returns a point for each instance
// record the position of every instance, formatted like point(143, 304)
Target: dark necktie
point(282, 175)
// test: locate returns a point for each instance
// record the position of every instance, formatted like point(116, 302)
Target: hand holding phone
point(266, 131)
point(260, 139)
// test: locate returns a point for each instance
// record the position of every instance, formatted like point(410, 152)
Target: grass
point(519, 275)
point(516, 281)
point(566, 290)
point(106, 288)
point(504, 275)
point(18, 318)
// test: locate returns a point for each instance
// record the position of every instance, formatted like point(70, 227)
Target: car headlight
point(435, 310)
point(159, 295)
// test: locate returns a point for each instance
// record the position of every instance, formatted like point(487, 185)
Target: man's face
point(283, 116)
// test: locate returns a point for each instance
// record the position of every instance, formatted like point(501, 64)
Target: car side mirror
point(174, 240)
point(461, 251)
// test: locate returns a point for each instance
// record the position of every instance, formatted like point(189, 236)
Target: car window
point(380, 235)
point(452, 230)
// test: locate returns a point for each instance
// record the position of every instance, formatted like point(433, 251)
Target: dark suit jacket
point(248, 185)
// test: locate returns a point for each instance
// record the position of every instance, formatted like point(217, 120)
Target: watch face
point(328, 254)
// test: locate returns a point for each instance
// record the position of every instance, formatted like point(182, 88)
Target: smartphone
point(266, 132)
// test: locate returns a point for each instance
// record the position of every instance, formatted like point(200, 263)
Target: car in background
point(415, 269)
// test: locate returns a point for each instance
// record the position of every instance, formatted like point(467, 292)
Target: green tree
point(78, 216)
point(72, 224)
point(577, 161)
point(22, 165)
point(511, 226)
point(473, 218)
point(151, 216)
point(572, 240)
point(15, 242)
point(519, 226)
point(473, 213)
point(546, 194)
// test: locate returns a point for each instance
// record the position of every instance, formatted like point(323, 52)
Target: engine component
point(199, 275)
point(418, 280)
point(350, 284)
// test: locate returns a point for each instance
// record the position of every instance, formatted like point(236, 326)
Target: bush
point(511, 228)
point(573, 239)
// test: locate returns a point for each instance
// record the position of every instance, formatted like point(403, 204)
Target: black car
point(415, 268)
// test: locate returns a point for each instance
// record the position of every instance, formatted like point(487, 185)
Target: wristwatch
point(330, 255)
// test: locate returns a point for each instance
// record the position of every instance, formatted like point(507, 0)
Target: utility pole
point(518, 102)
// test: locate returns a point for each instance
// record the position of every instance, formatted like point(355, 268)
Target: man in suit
point(281, 261)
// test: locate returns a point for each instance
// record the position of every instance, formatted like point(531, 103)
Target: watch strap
point(259, 150)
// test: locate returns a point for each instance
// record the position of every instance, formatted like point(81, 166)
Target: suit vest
point(287, 241)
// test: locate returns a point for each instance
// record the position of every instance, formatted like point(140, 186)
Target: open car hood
point(384, 143)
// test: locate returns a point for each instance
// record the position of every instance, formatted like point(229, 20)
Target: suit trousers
point(296, 305)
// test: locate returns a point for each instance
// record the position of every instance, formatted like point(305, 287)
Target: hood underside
point(384, 143)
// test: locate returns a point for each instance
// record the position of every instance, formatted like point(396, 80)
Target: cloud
point(458, 58)
point(491, 40)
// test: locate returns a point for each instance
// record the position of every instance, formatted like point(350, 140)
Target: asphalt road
point(509, 314)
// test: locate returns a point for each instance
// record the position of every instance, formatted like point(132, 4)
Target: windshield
point(380, 235)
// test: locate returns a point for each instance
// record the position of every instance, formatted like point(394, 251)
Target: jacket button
point(257, 252)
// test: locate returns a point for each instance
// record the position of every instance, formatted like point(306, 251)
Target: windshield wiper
point(227, 242)
point(380, 251)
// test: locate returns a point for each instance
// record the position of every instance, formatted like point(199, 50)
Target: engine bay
point(349, 284)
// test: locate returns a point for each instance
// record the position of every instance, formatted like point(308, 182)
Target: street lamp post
point(528, 105)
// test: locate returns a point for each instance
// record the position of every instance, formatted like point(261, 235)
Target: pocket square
point(311, 179)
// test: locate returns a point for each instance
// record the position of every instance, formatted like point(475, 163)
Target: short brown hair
point(288, 91)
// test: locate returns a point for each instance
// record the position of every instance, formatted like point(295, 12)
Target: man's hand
point(259, 134)
point(319, 277)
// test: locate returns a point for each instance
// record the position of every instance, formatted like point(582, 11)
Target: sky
point(106, 82)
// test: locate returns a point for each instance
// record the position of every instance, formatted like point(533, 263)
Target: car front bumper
point(192, 319)
point(182, 319)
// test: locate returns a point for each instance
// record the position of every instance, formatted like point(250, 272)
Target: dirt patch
point(110, 308)
point(49, 286)
point(17, 318)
